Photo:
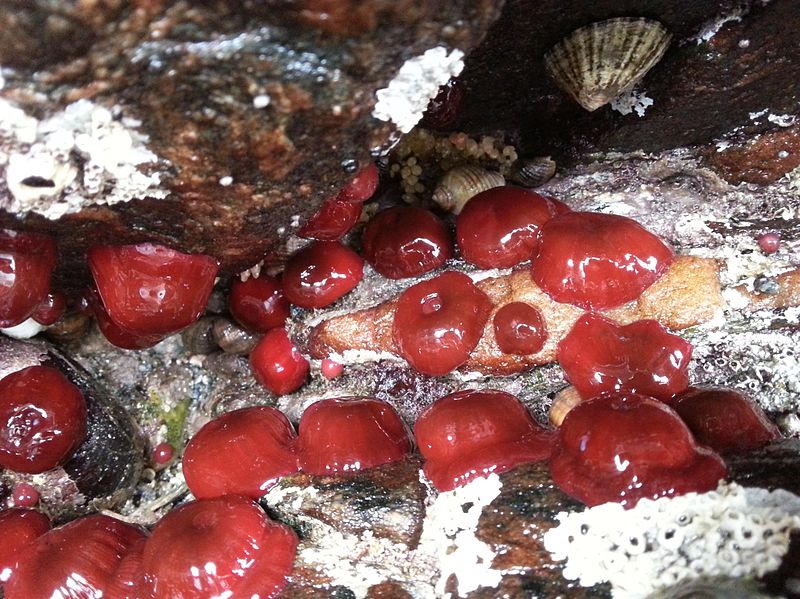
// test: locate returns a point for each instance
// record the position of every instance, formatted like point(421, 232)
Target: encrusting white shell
point(598, 62)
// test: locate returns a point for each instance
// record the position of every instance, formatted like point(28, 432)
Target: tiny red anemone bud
point(27, 261)
point(519, 328)
point(600, 356)
point(769, 243)
point(362, 186)
point(469, 434)
point(76, 560)
point(499, 227)
point(162, 454)
point(50, 309)
point(243, 452)
point(258, 304)
point(406, 241)
point(321, 273)
point(149, 289)
point(332, 221)
point(42, 419)
point(623, 447)
point(331, 368)
point(18, 529)
point(444, 108)
point(223, 547)
point(597, 261)
point(127, 581)
point(725, 420)
point(349, 434)
point(439, 322)
point(115, 334)
point(25, 495)
point(277, 364)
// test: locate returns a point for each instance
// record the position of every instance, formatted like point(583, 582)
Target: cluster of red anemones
point(638, 431)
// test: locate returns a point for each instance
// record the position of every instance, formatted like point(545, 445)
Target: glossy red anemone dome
point(115, 334)
point(725, 420)
point(42, 419)
point(469, 434)
point(349, 434)
point(519, 328)
point(76, 560)
point(499, 227)
point(224, 547)
point(19, 527)
point(321, 273)
point(623, 447)
point(149, 289)
point(362, 186)
point(406, 241)
point(600, 356)
point(597, 261)
point(277, 364)
point(243, 452)
point(439, 322)
point(332, 221)
point(128, 578)
point(27, 261)
point(50, 309)
point(258, 304)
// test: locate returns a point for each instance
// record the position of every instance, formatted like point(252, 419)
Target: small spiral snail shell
point(199, 337)
point(563, 402)
point(232, 338)
point(458, 185)
point(532, 172)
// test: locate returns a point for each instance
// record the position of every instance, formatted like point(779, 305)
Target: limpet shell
point(532, 172)
point(458, 185)
point(598, 62)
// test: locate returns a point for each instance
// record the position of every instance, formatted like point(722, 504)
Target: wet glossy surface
point(444, 108)
point(42, 419)
point(225, 547)
point(439, 322)
point(350, 434)
point(406, 241)
point(277, 364)
point(600, 356)
point(469, 434)
point(625, 447)
point(243, 452)
point(25, 495)
point(321, 273)
point(18, 528)
point(150, 289)
point(76, 560)
point(162, 454)
point(499, 227)
point(332, 221)
point(519, 328)
point(115, 334)
point(127, 580)
point(362, 186)
point(258, 304)
point(331, 369)
point(597, 261)
point(725, 419)
point(50, 309)
point(27, 261)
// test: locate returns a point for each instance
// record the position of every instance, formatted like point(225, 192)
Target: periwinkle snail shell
point(232, 338)
point(105, 468)
point(460, 184)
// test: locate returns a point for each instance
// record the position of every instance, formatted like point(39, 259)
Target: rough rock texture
point(728, 61)
point(197, 76)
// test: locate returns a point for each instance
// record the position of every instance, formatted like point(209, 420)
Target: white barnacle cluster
point(79, 156)
point(406, 97)
point(731, 532)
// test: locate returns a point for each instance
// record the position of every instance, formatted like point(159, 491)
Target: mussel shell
point(598, 62)
point(106, 466)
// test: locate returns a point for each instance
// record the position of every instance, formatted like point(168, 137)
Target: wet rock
point(249, 108)
point(762, 159)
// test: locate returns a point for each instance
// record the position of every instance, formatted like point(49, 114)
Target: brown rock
point(762, 159)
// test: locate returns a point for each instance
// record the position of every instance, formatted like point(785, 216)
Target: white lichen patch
point(405, 99)
point(448, 533)
point(731, 532)
point(632, 100)
point(80, 156)
point(712, 27)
